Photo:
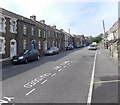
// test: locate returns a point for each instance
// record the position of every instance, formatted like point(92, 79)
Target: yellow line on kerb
point(101, 82)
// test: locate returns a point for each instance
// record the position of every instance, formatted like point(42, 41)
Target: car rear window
point(93, 45)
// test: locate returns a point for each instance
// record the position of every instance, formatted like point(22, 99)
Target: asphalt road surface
point(61, 78)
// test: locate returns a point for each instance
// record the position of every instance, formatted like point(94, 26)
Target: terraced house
point(18, 33)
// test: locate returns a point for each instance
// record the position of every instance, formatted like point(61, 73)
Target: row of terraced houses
point(18, 33)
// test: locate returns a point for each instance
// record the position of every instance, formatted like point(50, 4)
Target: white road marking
point(53, 75)
point(9, 98)
point(101, 82)
point(64, 66)
point(92, 81)
point(68, 63)
point(44, 81)
point(3, 101)
point(36, 80)
point(49, 73)
point(6, 101)
point(30, 92)
point(59, 69)
point(99, 52)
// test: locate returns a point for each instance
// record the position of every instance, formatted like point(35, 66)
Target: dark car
point(69, 47)
point(52, 50)
point(25, 56)
point(79, 46)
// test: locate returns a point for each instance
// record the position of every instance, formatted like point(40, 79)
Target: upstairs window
point(39, 33)
point(32, 31)
point(13, 26)
point(49, 33)
point(2, 24)
point(44, 34)
point(25, 30)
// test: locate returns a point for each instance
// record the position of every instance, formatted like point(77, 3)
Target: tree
point(97, 39)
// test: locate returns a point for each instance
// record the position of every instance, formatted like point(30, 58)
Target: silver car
point(92, 47)
point(52, 50)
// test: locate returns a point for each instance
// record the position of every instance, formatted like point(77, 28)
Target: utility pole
point(69, 30)
point(104, 36)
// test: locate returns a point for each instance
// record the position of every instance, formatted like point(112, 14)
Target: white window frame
point(3, 24)
point(39, 44)
point(24, 44)
point(44, 34)
point(32, 31)
point(13, 27)
point(24, 29)
point(39, 32)
point(3, 45)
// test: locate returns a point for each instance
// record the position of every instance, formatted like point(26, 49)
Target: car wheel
point(38, 57)
point(26, 60)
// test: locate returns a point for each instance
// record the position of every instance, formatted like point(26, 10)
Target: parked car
point(80, 46)
point(52, 50)
point(25, 56)
point(92, 47)
point(69, 47)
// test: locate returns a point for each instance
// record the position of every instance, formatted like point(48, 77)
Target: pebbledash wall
point(18, 33)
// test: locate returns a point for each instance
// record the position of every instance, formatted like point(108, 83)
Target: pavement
point(106, 78)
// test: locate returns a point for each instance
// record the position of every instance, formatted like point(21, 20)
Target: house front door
point(13, 48)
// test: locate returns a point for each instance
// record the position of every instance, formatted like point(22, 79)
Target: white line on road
point(92, 81)
point(64, 66)
point(59, 69)
point(44, 81)
point(68, 63)
point(101, 82)
point(30, 92)
point(53, 75)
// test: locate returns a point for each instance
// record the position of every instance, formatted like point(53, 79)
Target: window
point(49, 33)
point(44, 34)
point(13, 26)
point(39, 45)
point(32, 31)
point(39, 33)
point(56, 35)
point(2, 45)
point(24, 44)
point(25, 30)
point(2, 24)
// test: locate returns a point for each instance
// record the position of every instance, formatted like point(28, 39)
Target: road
point(61, 78)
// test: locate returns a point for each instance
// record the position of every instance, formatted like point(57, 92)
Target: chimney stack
point(54, 26)
point(42, 21)
point(33, 17)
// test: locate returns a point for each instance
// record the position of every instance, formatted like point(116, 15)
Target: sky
point(80, 16)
